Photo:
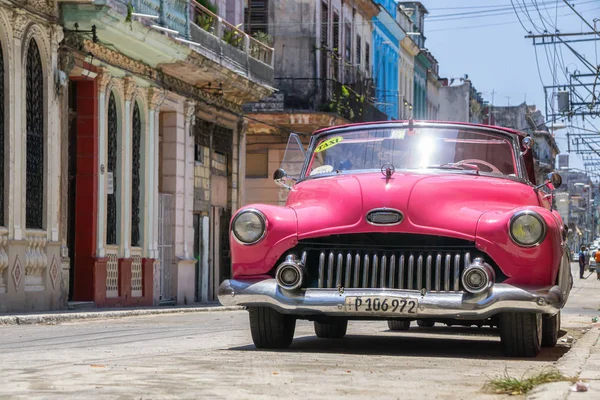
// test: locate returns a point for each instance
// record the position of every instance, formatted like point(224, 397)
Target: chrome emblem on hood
point(384, 216)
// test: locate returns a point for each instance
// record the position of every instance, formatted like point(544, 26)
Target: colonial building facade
point(31, 260)
point(157, 128)
point(324, 77)
point(120, 158)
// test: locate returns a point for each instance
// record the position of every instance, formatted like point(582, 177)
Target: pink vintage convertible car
point(404, 221)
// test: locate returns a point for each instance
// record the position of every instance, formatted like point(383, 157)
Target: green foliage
point(264, 38)
point(209, 5)
point(130, 12)
point(233, 37)
point(518, 386)
point(206, 21)
point(344, 103)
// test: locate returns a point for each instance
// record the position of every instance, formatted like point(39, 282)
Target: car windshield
point(419, 148)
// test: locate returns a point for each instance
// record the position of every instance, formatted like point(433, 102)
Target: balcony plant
point(206, 21)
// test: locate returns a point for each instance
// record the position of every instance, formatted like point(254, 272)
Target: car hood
point(448, 204)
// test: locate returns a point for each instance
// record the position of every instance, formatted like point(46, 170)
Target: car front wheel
point(521, 333)
point(398, 325)
point(335, 330)
point(550, 329)
point(271, 329)
point(425, 323)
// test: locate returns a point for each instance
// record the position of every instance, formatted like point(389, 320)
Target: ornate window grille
point(136, 172)
point(111, 223)
point(2, 168)
point(34, 201)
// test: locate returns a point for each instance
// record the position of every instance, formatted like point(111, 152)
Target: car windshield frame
point(512, 138)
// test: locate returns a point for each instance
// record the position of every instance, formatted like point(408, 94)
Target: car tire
point(550, 329)
point(336, 330)
point(398, 325)
point(424, 323)
point(520, 333)
point(271, 329)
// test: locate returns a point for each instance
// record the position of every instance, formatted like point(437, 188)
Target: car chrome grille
point(430, 270)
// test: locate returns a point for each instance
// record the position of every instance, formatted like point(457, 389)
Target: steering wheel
point(494, 169)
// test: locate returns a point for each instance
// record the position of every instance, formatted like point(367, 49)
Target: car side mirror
point(555, 179)
point(527, 143)
point(280, 177)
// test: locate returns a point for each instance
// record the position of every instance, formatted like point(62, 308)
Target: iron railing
point(185, 15)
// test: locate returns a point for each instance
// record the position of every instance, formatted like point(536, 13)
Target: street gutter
point(572, 364)
point(74, 316)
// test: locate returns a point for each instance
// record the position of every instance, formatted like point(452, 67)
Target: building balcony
point(183, 39)
point(301, 95)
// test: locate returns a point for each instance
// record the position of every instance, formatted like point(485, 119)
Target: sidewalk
point(583, 360)
point(54, 317)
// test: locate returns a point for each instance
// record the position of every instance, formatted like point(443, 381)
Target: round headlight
point(527, 228)
point(249, 226)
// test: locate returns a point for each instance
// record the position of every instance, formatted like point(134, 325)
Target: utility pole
point(491, 108)
point(507, 100)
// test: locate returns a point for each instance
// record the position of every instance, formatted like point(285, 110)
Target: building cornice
point(410, 46)
point(367, 8)
point(116, 59)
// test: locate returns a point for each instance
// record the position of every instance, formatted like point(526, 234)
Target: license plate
point(382, 304)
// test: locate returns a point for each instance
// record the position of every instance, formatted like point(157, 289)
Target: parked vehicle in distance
point(404, 221)
point(576, 257)
point(592, 257)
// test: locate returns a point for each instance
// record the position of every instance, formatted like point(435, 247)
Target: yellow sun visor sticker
point(398, 134)
point(328, 143)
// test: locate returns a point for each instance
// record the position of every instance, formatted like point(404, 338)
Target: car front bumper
point(443, 305)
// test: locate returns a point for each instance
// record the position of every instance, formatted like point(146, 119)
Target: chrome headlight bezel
point(263, 221)
point(533, 214)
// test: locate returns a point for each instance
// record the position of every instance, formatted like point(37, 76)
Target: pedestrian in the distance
point(581, 262)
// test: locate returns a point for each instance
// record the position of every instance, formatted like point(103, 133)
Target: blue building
point(387, 35)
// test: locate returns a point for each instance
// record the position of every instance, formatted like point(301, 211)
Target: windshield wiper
point(461, 166)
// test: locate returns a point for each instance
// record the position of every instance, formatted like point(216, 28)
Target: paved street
point(210, 355)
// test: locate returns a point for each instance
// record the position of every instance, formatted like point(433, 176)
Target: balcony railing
point(194, 22)
point(327, 95)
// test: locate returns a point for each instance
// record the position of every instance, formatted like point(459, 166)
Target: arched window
point(2, 167)
point(34, 201)
point(113, 125)
point(135, 174)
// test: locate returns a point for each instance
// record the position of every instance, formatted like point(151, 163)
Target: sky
point(485, 40)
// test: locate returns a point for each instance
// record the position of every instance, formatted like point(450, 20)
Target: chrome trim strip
point(438, 272)
point(428, 273)
point(375, 271)
point(500, 298)
point(457, 273)
point(401, 271)
point(330, 270)
point(383, 274)
point(365, 283)
point(356, 270)
point(348, 270)
point(411, 267)
point(321, 269)
point(447, 272)
point(420, 272)
point(392, 280)
point(340, 266)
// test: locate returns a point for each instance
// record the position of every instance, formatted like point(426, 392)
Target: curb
point(56, 318)
point(571, 364)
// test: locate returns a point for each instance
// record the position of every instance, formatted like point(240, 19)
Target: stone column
point(126, 173)
point(188, 110)
point(16, 129)
point(155, 99)
point(102, 80)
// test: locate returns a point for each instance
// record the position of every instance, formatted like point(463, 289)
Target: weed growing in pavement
point(507, 384)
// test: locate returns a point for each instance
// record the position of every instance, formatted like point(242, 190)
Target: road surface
point(211, 355)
